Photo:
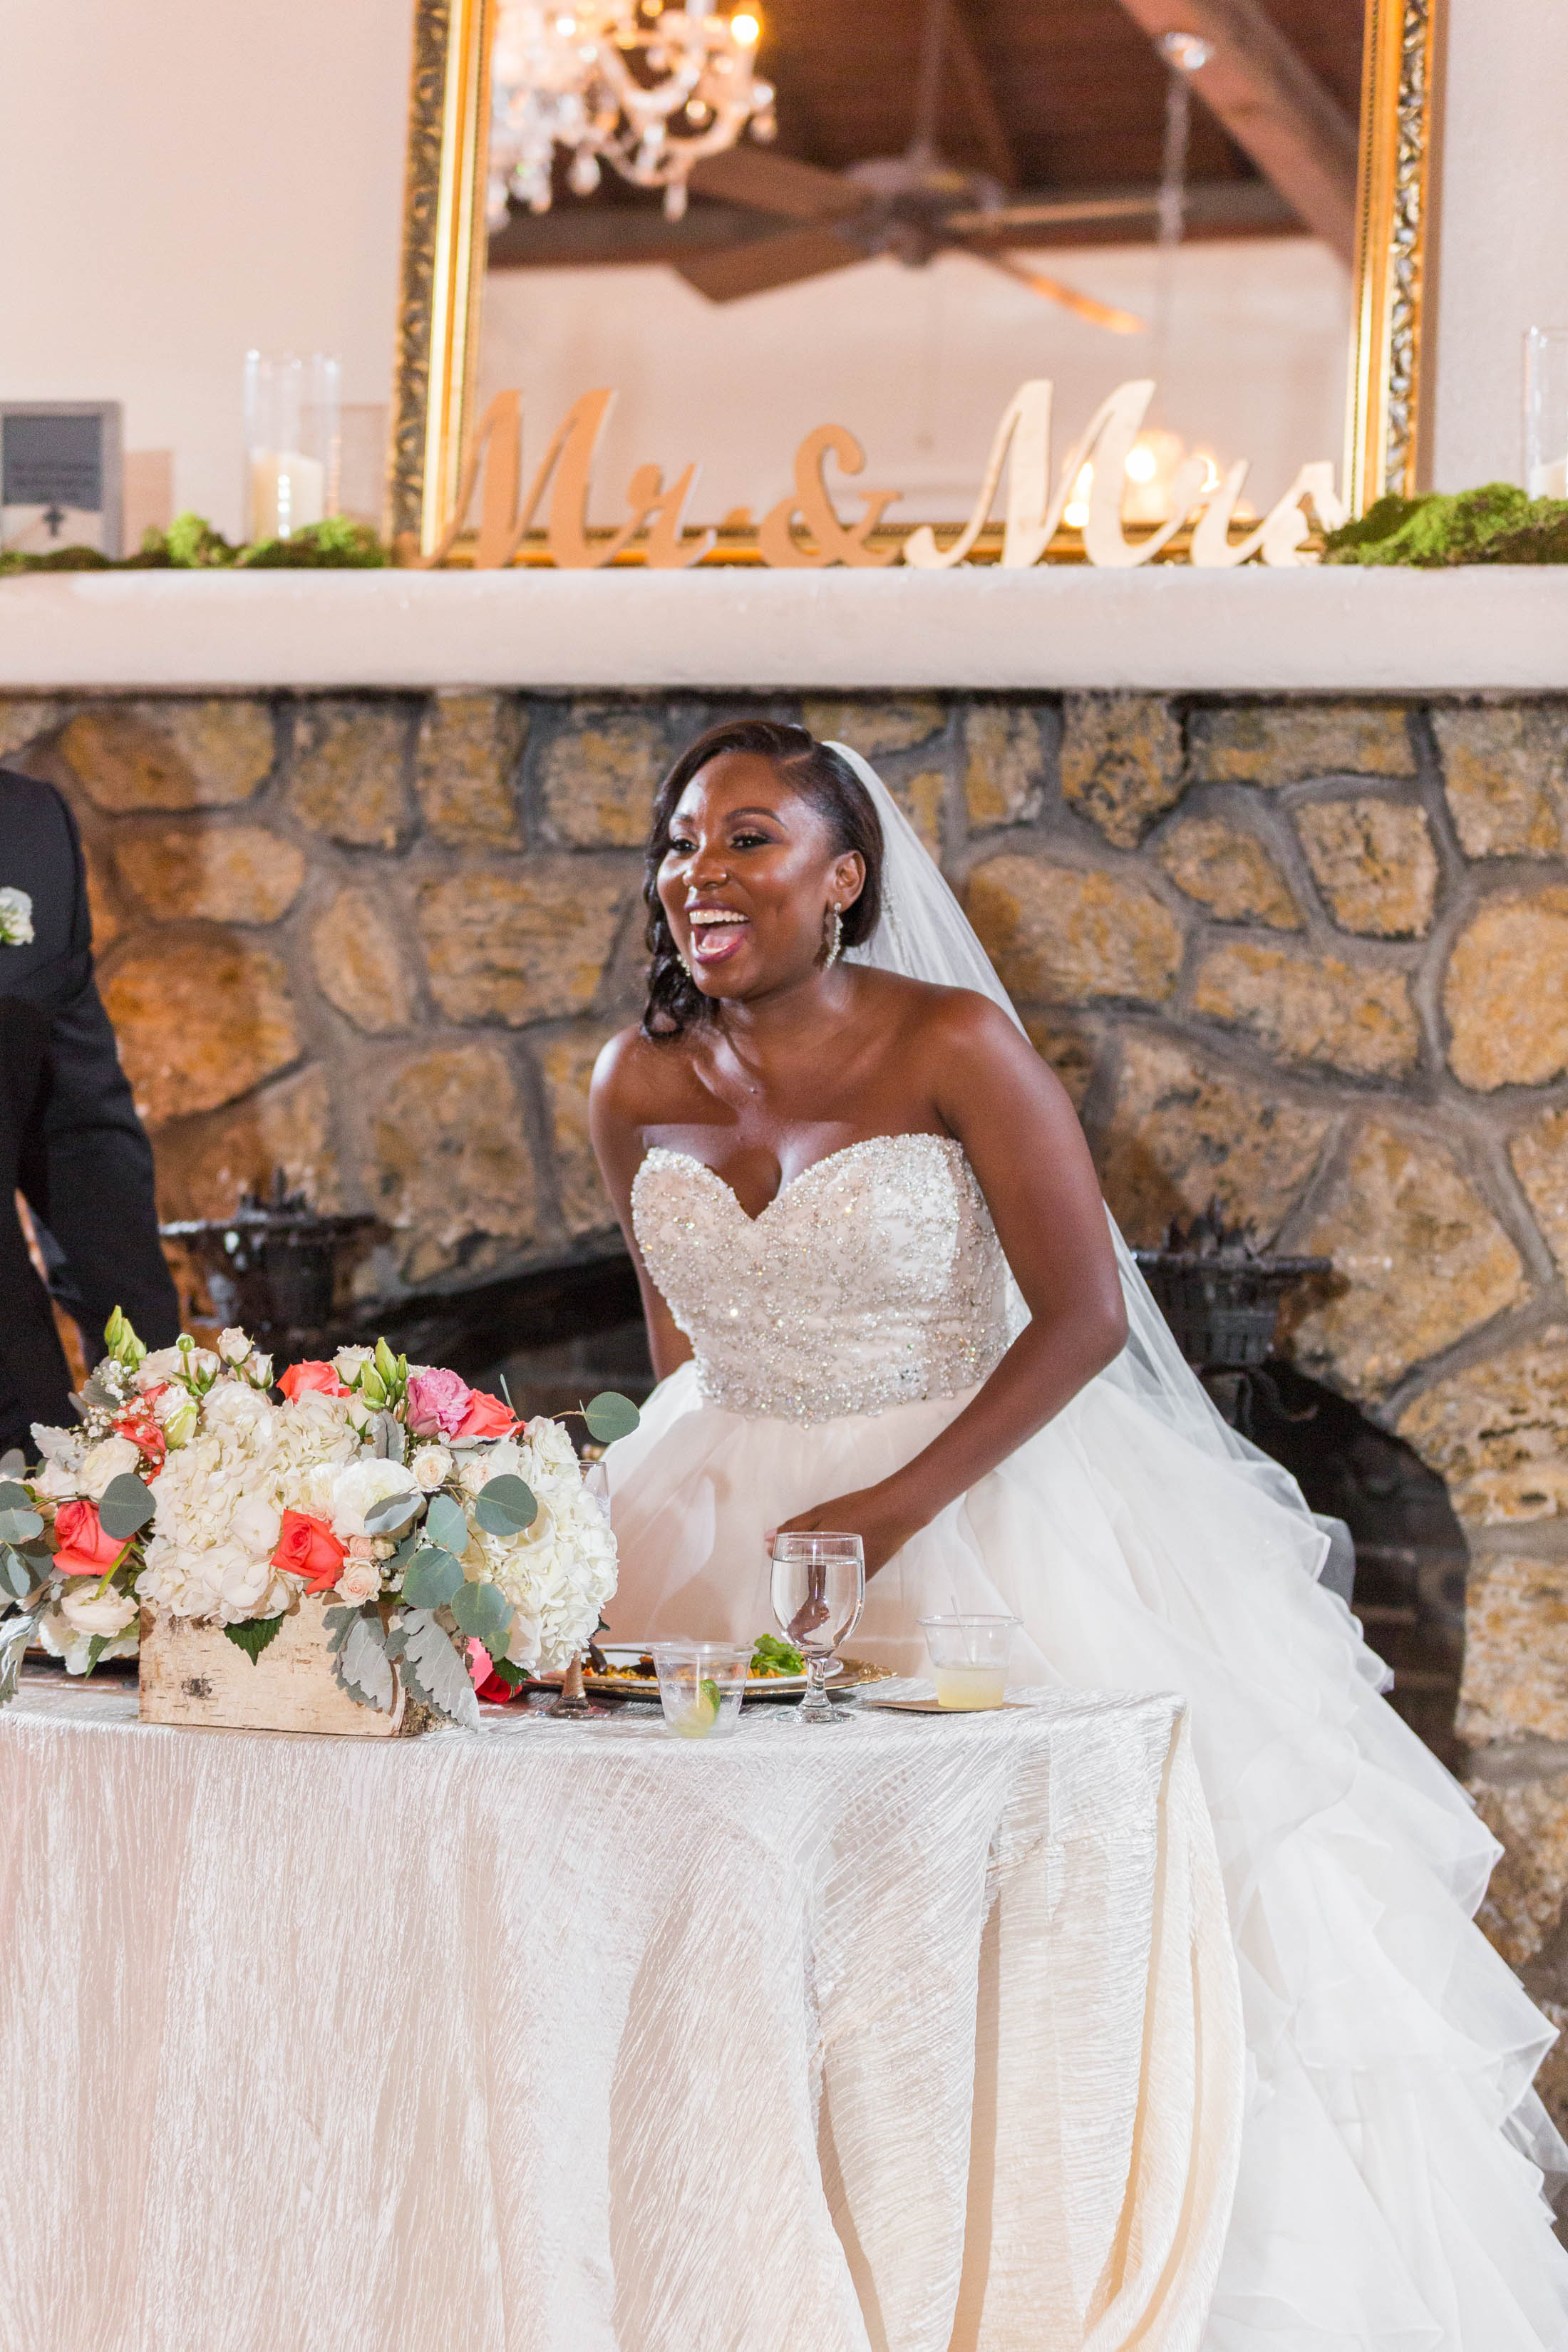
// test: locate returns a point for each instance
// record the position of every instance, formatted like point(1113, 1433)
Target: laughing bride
point(884, 1295)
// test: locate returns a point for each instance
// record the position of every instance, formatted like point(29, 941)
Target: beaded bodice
point(874, 1279)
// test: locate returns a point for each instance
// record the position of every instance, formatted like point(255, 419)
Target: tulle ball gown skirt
point(1388, 2195)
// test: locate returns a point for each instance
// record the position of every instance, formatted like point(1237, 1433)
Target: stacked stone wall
point(1310, 956)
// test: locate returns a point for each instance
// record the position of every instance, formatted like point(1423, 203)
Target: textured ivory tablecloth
point(562, 2038)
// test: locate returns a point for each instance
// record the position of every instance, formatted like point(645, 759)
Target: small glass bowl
point(700, 1686)
point(969, 1660)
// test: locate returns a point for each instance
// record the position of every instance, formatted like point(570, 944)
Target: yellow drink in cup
point(969, 1660)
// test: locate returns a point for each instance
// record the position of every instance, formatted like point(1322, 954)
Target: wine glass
point(818, 1593)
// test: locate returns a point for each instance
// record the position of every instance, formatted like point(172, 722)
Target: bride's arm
point(618, 1106)
point(1023, 1140)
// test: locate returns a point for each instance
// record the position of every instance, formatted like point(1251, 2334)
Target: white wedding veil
point(925, 934)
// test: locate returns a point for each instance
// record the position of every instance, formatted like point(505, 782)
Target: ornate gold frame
point(1383, 431)
point(441, 294)
point(439, 305)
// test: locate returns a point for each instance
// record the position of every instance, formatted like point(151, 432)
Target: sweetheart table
point(915, 2034)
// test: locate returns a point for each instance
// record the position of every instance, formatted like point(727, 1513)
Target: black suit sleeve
point(87, 1166)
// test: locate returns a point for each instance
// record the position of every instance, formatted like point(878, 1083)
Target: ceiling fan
point(912, 206)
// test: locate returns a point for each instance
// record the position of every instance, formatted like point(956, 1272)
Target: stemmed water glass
point(818, 1593)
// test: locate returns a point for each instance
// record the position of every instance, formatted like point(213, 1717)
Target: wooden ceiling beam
point(1273, 105)
point(975, 92)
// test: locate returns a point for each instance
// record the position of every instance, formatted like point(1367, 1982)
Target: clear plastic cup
point(969, 1660)
point(700, 1686)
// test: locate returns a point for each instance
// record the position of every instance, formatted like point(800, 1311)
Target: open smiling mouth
point(716, 933)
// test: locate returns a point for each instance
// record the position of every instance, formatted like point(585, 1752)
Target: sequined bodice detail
point(874, 1279)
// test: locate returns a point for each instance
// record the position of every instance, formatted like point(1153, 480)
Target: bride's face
point(750, 878)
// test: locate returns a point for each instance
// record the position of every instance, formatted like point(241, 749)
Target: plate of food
point(626, 1670)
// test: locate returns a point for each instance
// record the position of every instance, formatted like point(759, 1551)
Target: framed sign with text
point(60, 476)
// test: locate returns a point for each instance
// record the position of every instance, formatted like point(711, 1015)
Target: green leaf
point(483, 1609)
point(513, 1676)
point(13, 1462)
point(431, 1577)
point(19, 1527)
point(16, 1572)
point(393, 1512)
point(253, 1633)
point(435, 1670)
point(609, 1416)
point(505, 1506)
point(13, 1497)
point(95, 1649)
point(446, 1524)
point(126, 1507)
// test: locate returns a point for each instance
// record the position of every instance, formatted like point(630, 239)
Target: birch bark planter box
point(192, 1674)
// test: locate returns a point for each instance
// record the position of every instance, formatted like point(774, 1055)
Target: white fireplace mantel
point(1165, 628)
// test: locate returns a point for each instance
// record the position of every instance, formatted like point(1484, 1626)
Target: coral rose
point(485, 1417)
point(307, 1547)
point(81, 1547)
point(300, 1377)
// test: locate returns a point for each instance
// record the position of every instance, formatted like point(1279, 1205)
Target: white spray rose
point(360, 1486)
point(259, 1368)
point(360, 1580)
point(103, 1464)
point(432, 1465)
point(234, 1345)
point(350, 1362)
point(93, 1611)
point(237, 1408)
point(63, 1641)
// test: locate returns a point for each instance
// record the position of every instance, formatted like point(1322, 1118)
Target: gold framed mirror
point(444, 255)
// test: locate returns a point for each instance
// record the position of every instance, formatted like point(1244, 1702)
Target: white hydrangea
point(558, 1575)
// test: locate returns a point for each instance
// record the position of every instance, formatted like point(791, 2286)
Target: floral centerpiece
point(428, 1513)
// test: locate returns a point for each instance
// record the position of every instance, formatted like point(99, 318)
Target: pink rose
point(437, 1401)
point(485, 1417)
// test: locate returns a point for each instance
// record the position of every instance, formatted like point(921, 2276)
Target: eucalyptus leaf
point(483, 1610)
point(435, 1670)
point(126, 1507)
point(609, 1416)
point(362, 1666)
point(16, 1572)
point(19, 1527)
point(252, 1634)
point(505, 1506)
point(13, 1462)
point(391, 1513)
point(13, 1497)
point(15, 1633)
point(432, 1576)
point(446, 1524)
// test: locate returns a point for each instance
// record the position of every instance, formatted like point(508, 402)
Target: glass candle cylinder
point(291, 442)
point(1546, 412)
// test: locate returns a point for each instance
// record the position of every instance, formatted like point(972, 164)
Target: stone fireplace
point(1307, 954)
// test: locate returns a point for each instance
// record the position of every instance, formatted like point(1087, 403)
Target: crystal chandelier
point(647, 88)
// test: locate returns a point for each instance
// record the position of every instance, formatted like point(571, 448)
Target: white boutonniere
point(15, 919)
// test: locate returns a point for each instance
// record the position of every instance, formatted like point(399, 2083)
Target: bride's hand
point(872, 1513)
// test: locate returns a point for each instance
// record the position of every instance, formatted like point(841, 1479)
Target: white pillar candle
point(1550, 481)
point(287, 490)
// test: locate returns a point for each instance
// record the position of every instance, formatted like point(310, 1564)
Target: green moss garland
point(191, 544)
point(1495, 524)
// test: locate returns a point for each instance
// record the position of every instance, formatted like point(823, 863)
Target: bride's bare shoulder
point(636, 1078)
point(957, 1019)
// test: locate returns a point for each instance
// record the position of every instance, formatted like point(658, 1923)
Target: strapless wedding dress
point(1384, 2199)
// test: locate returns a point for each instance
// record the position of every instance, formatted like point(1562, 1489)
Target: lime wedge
point(701, 1717)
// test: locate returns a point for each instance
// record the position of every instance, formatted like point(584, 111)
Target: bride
point(884, 1295)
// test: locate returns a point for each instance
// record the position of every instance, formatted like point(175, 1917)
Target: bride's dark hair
point(817, 773)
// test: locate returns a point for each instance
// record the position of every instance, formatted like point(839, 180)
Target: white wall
point(919, 364)
point(1502, 254)
point(181, 179)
